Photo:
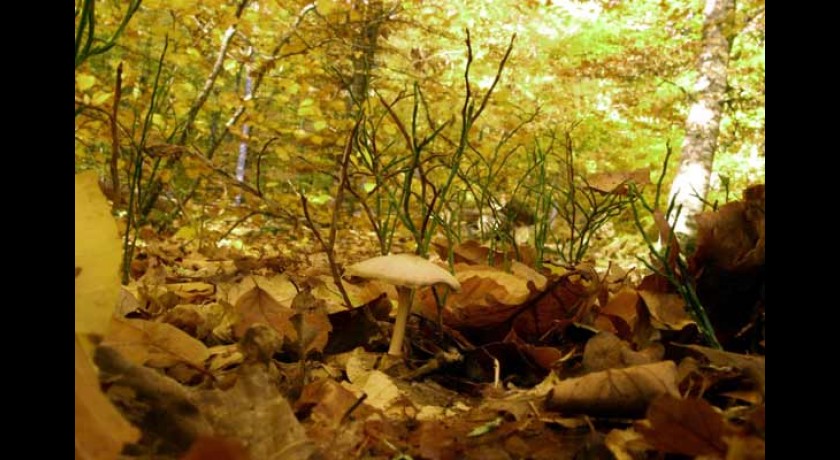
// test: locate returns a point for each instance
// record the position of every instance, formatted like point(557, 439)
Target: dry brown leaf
point(471, 252)
point(154, 344)
point(381, 390)
point(606, 351)
point(619, 392)
point(223, 357)
point(359, 365)
point(752, 365)
point(529, 274)
point(624, 304)
point(627, 444)
point(216, 448)
point(129, 300)
point(732, 238)
point(666, 310)
point(259, 306)
point(488, 297)
point(101, 431)
point(571, 298)
point(544, 357)
point(192, 291)
point(311, 323)
point(474, 306)
point(684, 426)
point(255, 412)
point(327, 402)
point(436, 441)
point(745, 448)
point(361, 294)
point(279, 287)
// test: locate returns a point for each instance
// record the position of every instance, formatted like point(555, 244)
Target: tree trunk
point(364, 51)
point(691, 184)
point(246, 131)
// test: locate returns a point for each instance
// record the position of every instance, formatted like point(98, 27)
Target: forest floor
point(245, 349)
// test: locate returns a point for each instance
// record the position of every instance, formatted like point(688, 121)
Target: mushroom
point(406, 272)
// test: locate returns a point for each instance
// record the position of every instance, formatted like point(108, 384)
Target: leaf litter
point(260, 358)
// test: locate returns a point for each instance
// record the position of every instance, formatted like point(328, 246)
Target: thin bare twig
point(495, 80)
point(116, 196)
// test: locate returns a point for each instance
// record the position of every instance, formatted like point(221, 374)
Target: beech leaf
point(615, 392)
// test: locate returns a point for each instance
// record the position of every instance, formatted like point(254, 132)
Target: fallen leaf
point(216, 448)
point(381, 390)
point(186, 318)
point(311, 323)
point(472, 252)
point(684, 426)
point(279, 287)
point(529, 274)
point(161, 407)
point(155, 344)
point(224, 357)
point(437, 442)
point(260, 343)
point(359, 365)
point(732, 238)
point(326, 402)
point(101, 432)
point(627, 444)
point(752, 365)
point(745, 448)
point(488, 297)
point(624, 304)
point(192, 291)
point(129, 300)
point(615, 392)
point(258, 306)
point(666, 310)
point(567, 300)
point(729, 269)
point(545, 357)
point(606, 351)
point(256, 412)
point(98, 254)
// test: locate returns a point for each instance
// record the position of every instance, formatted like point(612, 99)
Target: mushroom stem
point(405, 295)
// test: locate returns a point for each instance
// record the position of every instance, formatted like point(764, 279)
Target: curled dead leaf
point(615, 392)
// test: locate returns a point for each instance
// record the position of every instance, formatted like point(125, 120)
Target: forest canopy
point(286, 82)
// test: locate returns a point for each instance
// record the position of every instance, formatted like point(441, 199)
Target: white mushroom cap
point(407, 270)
